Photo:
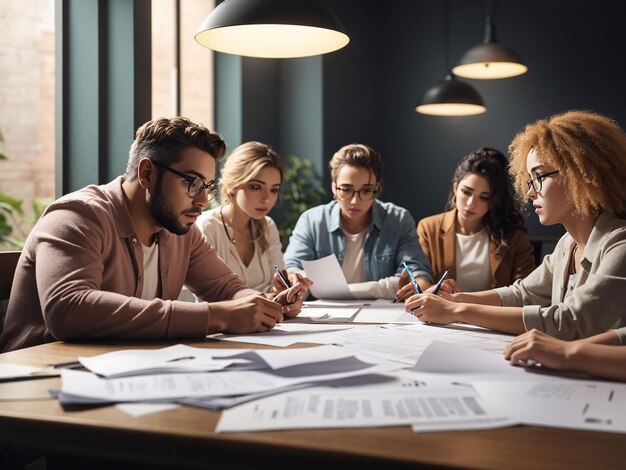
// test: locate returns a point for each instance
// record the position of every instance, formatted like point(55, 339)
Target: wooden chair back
point(8, 263)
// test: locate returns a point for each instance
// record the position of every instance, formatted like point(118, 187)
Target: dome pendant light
point(450, 96)
point(272, 29)
point(490, 59)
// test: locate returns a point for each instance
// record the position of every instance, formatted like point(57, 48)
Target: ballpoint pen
point(284, 280)
point(415, 284)
point(439, 283)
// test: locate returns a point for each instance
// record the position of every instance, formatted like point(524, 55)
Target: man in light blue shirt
point(370, 238)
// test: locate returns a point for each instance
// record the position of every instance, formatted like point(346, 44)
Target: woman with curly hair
point(572, 167)
point(481, 240)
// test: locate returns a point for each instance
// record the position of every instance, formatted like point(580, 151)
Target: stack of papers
point(203, 375)
point(450, 388)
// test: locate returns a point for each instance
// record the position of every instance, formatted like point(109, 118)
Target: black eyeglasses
point(365, 194)
point(196, 184)
point(536, 183)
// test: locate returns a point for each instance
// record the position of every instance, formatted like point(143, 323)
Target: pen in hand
point(439, 283)
point(410, 273)
point(282, 277)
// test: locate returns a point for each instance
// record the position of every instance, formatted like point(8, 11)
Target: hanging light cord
point(446, 34)
point(490, 21)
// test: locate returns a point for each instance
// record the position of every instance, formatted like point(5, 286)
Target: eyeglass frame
point(539, 179)
point(211, 185)
point(354, 191)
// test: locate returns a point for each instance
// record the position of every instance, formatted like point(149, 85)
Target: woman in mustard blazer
point(481, 240)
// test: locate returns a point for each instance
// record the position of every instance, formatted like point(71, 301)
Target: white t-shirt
point(352, 265)
point(150, 271)
point(354, 270)
point(473, 272)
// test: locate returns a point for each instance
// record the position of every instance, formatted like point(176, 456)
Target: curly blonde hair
point(588, 149)
point(243, 165)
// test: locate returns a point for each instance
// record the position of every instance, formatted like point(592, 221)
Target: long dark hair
point(503, 216)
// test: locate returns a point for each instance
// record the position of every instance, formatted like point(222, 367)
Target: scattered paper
point(11, 372)
point(587, 405)
point(328, 279)
point(177, 358)
point(450, 407)
point(286, 334)
point(137, 410)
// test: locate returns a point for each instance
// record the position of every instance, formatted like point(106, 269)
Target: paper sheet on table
point(588, 405)
point(384, 311)
point(329, 281)
point(142, 409)
point(13, 372)
point(468, 365)
point(286, 334)
point(442, 408)
point(174, 386)
point(176, 358)
point(319, 303)
point(324, 315)
point(279, 358)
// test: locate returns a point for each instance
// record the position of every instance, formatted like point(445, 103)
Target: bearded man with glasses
point(109, 261)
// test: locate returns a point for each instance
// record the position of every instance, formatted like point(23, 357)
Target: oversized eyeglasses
point(196, 184)
point(536, 183)
point(365, 194)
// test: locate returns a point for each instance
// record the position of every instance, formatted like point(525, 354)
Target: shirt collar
point(335, 216)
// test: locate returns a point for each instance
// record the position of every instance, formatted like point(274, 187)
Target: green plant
point(300, 191)
point(14, 224)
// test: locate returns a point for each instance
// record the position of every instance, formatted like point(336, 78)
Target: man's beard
point(163, 213)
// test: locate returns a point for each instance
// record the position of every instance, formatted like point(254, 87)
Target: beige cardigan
point(597, 302)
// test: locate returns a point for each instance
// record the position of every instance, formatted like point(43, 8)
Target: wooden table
point(185, 437)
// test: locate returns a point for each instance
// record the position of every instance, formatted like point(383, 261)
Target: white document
point(442, 408)
point(587, 405)
point(324, 315)
point(384, 311)
point(336, 303)
point(142, 409)
point(166, 387)
point(177, 358)
point(16, 371)
point(329, 281)
point(279, 358)
point(286, 334)
point(397, 344)
point(469, 365)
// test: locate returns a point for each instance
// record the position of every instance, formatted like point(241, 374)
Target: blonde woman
point(243, 235)
point(572, 167)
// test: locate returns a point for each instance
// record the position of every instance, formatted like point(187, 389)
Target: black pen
point(66, 365)
point(439, 283)
point(183, 358)
point(282, 277)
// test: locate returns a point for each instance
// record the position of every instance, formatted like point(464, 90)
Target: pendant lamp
point(450, 96)
point(272, 29)
point(490, 59)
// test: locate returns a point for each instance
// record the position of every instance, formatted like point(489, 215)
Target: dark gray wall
point(575, 50)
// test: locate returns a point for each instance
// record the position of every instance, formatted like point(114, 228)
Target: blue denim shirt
point(390, 240)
